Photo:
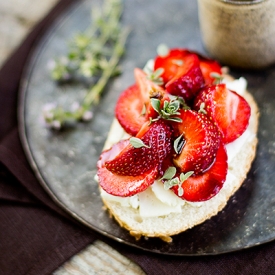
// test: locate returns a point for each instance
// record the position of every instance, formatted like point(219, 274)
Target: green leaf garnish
point(171, 180)
point(155, 104)
point(137, 143)
point(170, 183)
point(154, 76)
point(184, 177)
point(169, 173)
point(169, 111)
point(217, 78)
point(180, 191)
point(163, 50)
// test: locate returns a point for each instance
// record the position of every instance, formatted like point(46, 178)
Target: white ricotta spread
point(155, 201)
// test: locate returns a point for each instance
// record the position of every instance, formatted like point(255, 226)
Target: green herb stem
point(93, 95)
point(93, 55)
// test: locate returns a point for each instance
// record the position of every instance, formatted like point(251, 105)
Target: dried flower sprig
point(93, 55)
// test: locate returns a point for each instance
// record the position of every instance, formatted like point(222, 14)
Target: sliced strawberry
point(201, 142)
point(209, 66)
point(170, 63)
point(227, 109)
point(128, 110)
point(188, 80)
point(125, 186)
point(133, 161)
point(122, 186)
point(148, 88)
point(205, 186)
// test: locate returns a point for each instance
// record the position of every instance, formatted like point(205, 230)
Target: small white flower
point(75, 106)
point(88, 115)
point(56, 124)
point(49, 107)
point(48, 115)
point(48, 111)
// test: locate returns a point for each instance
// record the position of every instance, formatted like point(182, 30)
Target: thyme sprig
point(170, 109)
point(93, 55)
point(218, 78)
point(170, 179)
point(153, 75)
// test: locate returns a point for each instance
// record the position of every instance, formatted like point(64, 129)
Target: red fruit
point(133, 161)
point(188, 79)
point(148, 88)
point(128, 110)
point(227, 109)
point(209, 66)
point(205, 186)
point(125, 186)
point(122, 186)
point(202, 140)
point(170, 63)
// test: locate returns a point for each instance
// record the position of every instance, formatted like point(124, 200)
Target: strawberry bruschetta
point(182, 142)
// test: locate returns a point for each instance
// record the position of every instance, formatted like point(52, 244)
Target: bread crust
point(175, 223)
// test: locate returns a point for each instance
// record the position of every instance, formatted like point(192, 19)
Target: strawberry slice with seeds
point(170, 63)
point(128, 110)
point(205, 186)
point(125, 186)
point(200, 142)
point(176, 57)
point(226, 108)
point(155, 146)
point(208, 67)
point(133, 101)
point(188, 80)
point(122, 186)
point(148, 88)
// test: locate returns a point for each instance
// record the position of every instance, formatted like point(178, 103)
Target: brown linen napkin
point(36, 236)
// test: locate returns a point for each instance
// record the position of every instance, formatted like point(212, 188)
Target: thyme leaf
point(217, 78)
point(170, 180)
point(137, 143)
point(169, 110)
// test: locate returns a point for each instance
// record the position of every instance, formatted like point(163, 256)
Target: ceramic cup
point(239, 33)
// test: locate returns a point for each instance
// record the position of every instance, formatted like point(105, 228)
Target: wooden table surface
point(17, 19)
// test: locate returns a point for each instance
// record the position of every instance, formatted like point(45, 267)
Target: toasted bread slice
point(168, 225)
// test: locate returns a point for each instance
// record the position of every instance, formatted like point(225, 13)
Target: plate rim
point(22, 93)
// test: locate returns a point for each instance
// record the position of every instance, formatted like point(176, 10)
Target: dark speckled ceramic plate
point(65, 162)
